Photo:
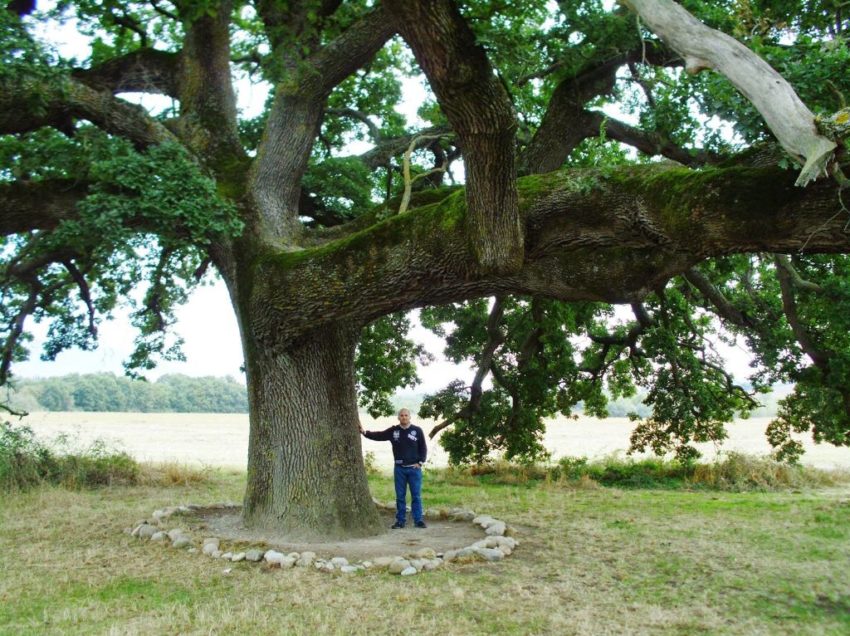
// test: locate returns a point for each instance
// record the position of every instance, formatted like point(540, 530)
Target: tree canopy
point(567, 156)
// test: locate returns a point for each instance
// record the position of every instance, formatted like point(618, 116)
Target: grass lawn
point(592, 560)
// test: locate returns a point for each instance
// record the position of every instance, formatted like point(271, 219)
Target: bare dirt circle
point(441, 535)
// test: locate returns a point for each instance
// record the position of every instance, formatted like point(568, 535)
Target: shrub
point(731, 471)
point(26, 461)
point(740, 472)
point(371, 463)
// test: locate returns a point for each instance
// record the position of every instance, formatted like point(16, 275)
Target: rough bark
point(306, 475)
point(480, 112)
point(705, 48)
point(294, 121)
point(590, 236)
point(146, 70)
point(61, 102)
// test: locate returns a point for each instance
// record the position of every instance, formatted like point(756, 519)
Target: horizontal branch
point(390, 147)
point(611, 237)
point(37, 205)
point(60, 102)
point(142, 71)
point(650, 143)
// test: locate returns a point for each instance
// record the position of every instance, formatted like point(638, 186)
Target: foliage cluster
point(109, 393)
point(26, 461)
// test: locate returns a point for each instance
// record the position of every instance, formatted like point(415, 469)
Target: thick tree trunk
point(306, 475)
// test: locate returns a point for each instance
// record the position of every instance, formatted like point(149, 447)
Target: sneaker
point(420, 524)
point(396, 526)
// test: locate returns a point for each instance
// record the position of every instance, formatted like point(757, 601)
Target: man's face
point(404, 419)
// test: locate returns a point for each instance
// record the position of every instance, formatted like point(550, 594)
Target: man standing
point(409, 452)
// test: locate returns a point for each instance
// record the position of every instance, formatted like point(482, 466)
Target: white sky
point(207, 323)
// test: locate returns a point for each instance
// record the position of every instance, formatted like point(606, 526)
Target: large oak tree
point(98, 195)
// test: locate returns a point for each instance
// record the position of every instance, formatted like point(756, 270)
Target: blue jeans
point(404, 476)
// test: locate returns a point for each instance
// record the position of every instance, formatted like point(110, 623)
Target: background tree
point(100, 195)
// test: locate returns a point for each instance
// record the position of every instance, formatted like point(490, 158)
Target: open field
point(222, 440)
point(591, 561)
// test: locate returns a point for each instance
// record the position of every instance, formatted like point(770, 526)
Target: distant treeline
point(108, 392)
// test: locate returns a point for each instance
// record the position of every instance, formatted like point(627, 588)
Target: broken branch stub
point(703, 48)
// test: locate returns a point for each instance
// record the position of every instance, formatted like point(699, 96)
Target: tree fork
point(480, 112)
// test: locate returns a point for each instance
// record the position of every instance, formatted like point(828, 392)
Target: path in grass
point(222, 440)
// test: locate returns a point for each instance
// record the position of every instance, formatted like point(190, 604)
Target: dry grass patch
point(173, 474)
point(592, 561)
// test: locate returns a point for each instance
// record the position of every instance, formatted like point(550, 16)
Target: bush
point(740, 472)
point(371, 463)
point(26, 461)
point(731, 472)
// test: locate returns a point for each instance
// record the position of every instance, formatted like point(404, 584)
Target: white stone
point(450, 555)
point(227, 556)
point(384, 561)
point(366, 565)
point(497, 527)
point(490, 554)
point(176, 532)
point(425, 553)
point(432, 564)
point(146, 531)
point(273, 557)
point(214, 540)
point(483, 520)
point(217, 554)
point(498, 541)
point(182, 541)
point(254, 555)
point(459, 514)
point(349, 569)
point(294, 555)
point(239, 556)
point(287, 562)
point(209, 548)
point(505, 550)
point(305, 559)
point(418, 563)
point(339, 561)
point(409, 571)
point(399, 565)
point(159, 536)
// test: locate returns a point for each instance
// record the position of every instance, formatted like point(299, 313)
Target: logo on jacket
point(396, 435)
point(412, 435)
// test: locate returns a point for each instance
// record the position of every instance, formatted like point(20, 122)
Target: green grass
point(592, 560)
